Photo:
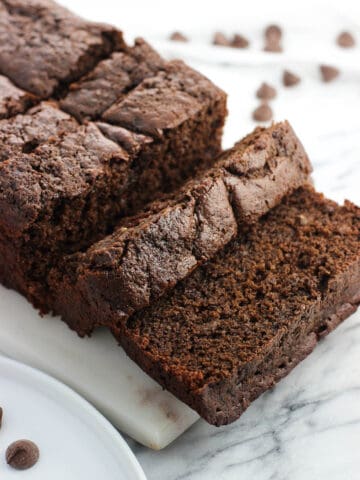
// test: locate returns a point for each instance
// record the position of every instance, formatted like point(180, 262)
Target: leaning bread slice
point(146, 256)
point(240, 323)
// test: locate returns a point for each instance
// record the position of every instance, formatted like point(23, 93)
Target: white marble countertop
point(307, 427)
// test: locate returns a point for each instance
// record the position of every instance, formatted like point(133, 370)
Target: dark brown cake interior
point(301, 261)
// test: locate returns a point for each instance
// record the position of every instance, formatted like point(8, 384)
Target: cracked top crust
point(13, 100)
point(24, 132)
point(43, 45)
point(111, 79)
point(64, 167)
point(145, 109)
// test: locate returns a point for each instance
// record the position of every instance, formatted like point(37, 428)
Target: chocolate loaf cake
point(147, 255)
point(44, 46)
point(65, 182)
point(182, 111)
point(243, 320)
point(60, 195)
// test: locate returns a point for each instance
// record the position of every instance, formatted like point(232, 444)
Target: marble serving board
point(96, 368)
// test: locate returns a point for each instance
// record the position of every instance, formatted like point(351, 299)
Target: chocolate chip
point(273, 32)
point(239, 41)
point(345, 40)
point(266, 92)
point(220, 39)
point(22, 454)
point(178, 37)
point(290, 79)
point(329, 73)
point(263, 113)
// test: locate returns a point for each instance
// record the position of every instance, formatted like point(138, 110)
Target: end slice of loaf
point(242, 321)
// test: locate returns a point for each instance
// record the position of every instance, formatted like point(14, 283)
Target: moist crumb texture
point(44, 46)
point(148, 254)
point(242, 321)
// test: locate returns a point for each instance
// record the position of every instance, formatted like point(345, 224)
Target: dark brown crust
point(44, 46)
point(111, 79)
point(145, 109)
point(13, 100)
point(220, 395)
point(24, 132)
point(139, 263)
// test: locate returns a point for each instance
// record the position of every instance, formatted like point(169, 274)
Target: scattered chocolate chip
point(220, 39)
point(290, 79)
point(1, 416)
point(273, 32)
point(345, 40)
point(178, 37)
point(263, 113)
point(239, 41)
point(329, 73)
point(266, 92)
point(22, 454)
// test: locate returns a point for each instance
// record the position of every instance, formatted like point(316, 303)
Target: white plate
point(75, 440)
point(96, 368)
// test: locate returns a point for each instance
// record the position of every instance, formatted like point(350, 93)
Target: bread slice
point(242, 321)
point(147, 255)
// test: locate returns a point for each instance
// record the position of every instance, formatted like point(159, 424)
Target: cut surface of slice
point(242, 321)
